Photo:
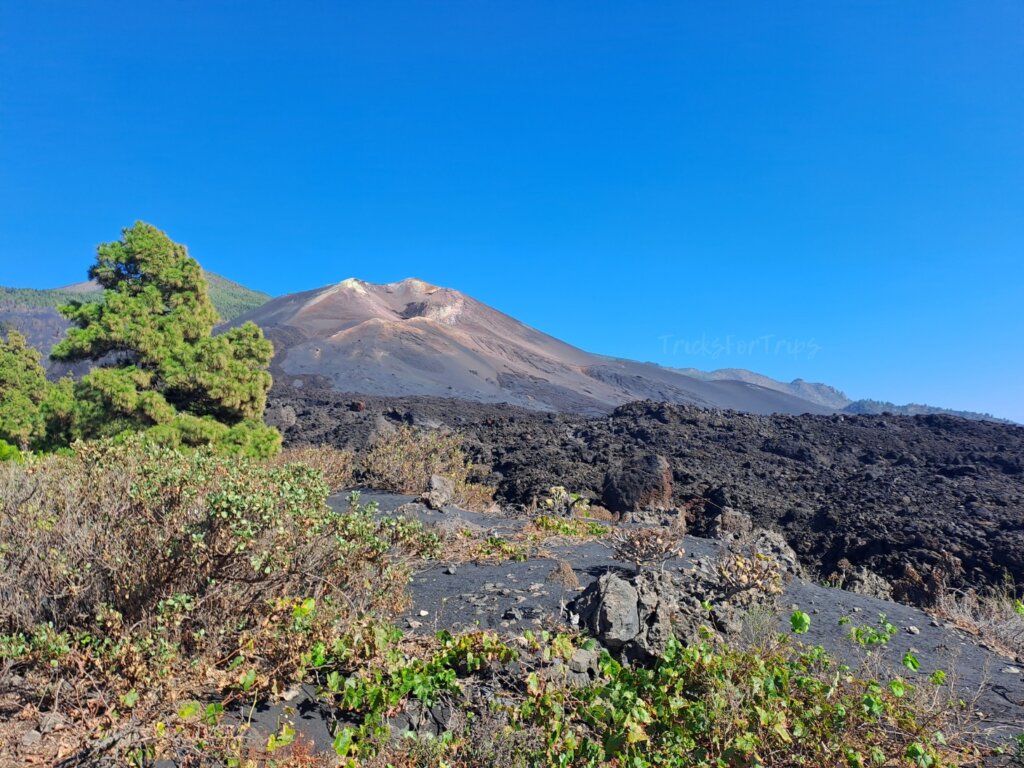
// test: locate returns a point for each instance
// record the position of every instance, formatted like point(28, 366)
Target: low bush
point(403, 461)
point(704, 705)
point(571, 527)
point(744, 568)
point(560, 501)
point(336, 466)
point(9, 452)
point(133, 576)
point(150, 597)
point(708, 705)
point(646, 547)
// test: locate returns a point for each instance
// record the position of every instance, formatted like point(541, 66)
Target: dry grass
point(489, 740)
point(336, 466)
point(995, 616)
point(403, 461)
point(564, 576)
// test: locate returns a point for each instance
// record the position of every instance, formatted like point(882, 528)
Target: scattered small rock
point(52, 721)
point(31, 739)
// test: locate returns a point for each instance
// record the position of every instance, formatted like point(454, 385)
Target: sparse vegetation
point(574, 528)
point(995, 614)
point(702, 705)
point(404, 461)
point(188, 584)
point(742, 567)
point(134, 576)
point(336, 466)
point(499, 549)
point(645, 547)
point(564, 576)
point(559, 501)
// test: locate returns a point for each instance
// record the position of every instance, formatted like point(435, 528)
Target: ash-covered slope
point(412, 338)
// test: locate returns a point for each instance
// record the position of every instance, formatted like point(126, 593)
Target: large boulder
point(864, 581)
point(630, 616)
point(642, 484)
point(609, 610)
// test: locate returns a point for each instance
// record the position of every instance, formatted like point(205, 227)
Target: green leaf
point(189, 709)
point(800, 622)
point(920, 756)
point(248, 679)
point(873, 705)
point(343, 741)
point(213, 712)
point(334, 681)
point(910, 661)
point(304, 608)
point(282, 738)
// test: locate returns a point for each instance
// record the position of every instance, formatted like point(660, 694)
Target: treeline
point(229, 298)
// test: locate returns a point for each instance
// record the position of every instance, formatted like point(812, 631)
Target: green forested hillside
point(230, 298)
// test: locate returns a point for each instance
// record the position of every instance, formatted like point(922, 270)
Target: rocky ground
point(900, 504)
point(631, 615)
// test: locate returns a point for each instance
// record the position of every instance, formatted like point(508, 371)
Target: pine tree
point(23, 388)
point(160, 368)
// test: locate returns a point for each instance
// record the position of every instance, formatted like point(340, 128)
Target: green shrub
point(571, 527)
point(336, 466)
point(133, 570)
point(705, 705)
point(9, 453)
point(559, 501)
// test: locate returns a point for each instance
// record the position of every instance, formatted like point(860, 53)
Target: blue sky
point(833, 191)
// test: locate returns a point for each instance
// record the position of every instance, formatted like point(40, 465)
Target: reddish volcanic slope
point(412, 338)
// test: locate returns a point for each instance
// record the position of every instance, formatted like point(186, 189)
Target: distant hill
point(230, 298)
point(33, 311)
point(830, 397)
point(822, 394)
point(914, 409)
point(413, 338)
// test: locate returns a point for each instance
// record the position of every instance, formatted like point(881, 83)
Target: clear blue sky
point(640, 179)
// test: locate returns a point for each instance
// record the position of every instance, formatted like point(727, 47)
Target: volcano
point(414, 338)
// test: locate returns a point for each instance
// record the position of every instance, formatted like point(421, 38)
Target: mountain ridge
point(411, 337)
